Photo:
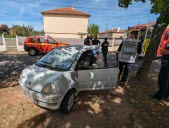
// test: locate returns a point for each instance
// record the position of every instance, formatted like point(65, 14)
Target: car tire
point(68, 101)
point(32, 51)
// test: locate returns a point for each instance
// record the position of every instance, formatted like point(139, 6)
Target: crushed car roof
point(81, 47)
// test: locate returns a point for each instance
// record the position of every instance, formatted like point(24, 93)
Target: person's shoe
point(157, 96)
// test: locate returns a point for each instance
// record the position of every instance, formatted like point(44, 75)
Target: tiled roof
point(65, 11)
point(112, 31)
point(143, 25)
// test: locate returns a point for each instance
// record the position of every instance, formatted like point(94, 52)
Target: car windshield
point(59, 59)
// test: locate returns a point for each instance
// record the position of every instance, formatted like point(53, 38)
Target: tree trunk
point(160, 26)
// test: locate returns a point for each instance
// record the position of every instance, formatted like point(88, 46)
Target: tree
point(4, 28)
point(158, 6)
point(23, 31)
point(93, 29)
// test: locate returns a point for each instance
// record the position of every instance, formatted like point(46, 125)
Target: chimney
point(118, 29)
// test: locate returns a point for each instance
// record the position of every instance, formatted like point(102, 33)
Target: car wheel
point(32, 51)
point(67, 103)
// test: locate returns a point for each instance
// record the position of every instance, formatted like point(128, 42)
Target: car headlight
point(49, 89)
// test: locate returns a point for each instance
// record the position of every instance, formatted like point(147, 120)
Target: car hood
point(36, 78)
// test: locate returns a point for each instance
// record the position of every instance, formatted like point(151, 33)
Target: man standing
point(88, 40)
point(105, 46)
point(127, 52)
point(163, 77)
point(95, 41)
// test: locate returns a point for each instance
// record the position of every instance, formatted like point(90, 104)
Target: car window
point(32, 39)
point(112, 60)
point(166, 36)
point(41, 40)
point(51, 41)
point(98, 60)
point(94, 60)
point(91, 59)
point(84, 61)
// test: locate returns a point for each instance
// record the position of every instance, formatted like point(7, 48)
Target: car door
point(51, 44)
point(96, 78)
point(41, 44)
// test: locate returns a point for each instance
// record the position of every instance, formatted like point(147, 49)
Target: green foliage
point(156, 4)
point(93, 29)
point(126, 3)
point(20, 31)
point(23, 31)
point(6, 34)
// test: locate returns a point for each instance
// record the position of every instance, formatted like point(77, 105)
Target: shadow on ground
point(96, 109)
point(11, 66)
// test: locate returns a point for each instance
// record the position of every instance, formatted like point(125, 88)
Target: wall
point(65, 26)
point(103, 35)
point(117, 35)
point(2, 44)
point(17, 43)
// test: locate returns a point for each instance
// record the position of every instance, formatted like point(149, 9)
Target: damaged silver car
point(54, 80)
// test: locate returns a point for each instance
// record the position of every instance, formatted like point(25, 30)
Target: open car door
point(96, 76)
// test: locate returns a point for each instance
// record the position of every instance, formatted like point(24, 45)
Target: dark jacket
point(95, 42)
point(105, 46)
point(87, 41)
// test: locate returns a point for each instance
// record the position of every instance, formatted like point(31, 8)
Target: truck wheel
point(32, 51)
point(67, 103)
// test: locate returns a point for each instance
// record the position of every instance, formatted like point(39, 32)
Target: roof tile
point(65, 11)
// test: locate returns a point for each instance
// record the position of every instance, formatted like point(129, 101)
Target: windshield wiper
point(46, 62)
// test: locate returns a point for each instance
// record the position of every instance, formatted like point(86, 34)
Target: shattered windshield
point(59, 59)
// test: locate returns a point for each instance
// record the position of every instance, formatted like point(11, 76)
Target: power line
point(112, 9)
point(89, 2)
point(78, 6)
point(107, 4)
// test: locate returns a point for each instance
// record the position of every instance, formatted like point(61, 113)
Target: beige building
point(65, 23)
point(114, 33)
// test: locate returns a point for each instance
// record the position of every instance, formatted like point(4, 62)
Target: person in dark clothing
point(96, 41)
point(163, 77)
point(88, 40)
point(127, 53)
point(140, 43)
point(105, 46)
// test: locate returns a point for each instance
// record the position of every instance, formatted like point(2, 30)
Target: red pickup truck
point(41, 44)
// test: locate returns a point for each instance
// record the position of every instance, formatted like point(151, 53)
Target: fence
point(17, 44)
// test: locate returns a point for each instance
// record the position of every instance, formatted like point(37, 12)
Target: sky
point(105, 13)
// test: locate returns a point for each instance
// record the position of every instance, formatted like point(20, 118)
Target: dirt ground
point(124, 107)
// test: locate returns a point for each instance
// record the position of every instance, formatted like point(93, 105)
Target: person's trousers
point(105, 57)
point(163, 82)
point(124, 69)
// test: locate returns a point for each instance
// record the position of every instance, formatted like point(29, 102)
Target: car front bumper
point(26, 47)
point(52, 102)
